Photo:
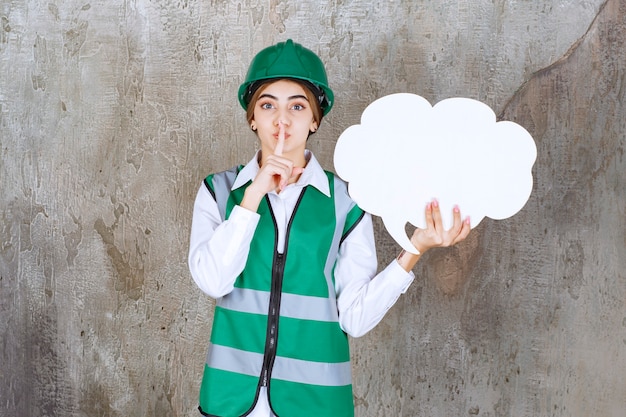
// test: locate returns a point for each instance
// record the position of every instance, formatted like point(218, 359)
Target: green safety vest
point(279, 327)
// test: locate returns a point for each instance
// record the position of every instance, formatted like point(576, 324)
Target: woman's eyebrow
point(298, 96)
point(265, 95)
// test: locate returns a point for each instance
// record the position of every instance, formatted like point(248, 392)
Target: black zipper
point(271, 337)
point(278, 271)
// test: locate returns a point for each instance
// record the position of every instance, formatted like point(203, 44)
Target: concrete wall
point(111, 113)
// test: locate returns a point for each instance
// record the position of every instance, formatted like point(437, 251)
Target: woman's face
point(283, 101)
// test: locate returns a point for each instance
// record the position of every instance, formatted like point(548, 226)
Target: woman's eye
point(266, 106)
point(298, 107)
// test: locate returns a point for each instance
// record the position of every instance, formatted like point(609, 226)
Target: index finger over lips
point(278, 151)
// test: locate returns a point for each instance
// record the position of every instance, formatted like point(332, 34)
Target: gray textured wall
point(111, 112)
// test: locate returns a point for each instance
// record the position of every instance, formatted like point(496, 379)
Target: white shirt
point(218, 252)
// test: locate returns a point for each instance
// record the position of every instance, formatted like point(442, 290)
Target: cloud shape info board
point(405, 153)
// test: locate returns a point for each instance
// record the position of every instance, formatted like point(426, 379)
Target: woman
point(289, 257)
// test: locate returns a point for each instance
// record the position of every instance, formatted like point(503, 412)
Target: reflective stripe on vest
point(291, 305)
point(304, 372)
point(302, 350)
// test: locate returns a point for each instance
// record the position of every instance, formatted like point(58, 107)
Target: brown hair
point(315, 105)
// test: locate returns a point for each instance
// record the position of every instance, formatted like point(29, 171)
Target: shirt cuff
point(397, 277)
point(243, 215)
point(243, 223)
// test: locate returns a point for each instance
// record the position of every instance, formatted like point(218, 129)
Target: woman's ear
point(313, 127)
point(253, 126)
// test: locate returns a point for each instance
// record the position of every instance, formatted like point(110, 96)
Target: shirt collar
point(313, 174)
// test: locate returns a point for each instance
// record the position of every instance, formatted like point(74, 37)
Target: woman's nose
point(282, 117)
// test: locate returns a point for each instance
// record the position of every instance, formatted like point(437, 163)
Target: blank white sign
point(405, 153)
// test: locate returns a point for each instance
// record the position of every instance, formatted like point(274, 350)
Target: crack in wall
point(570, 51)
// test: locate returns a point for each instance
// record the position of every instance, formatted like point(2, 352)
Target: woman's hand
point(275, 173)
point(434, 235)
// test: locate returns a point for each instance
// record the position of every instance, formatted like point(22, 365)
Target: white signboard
point(405, 153)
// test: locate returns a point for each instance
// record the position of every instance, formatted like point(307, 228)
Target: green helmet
point(288, 60)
